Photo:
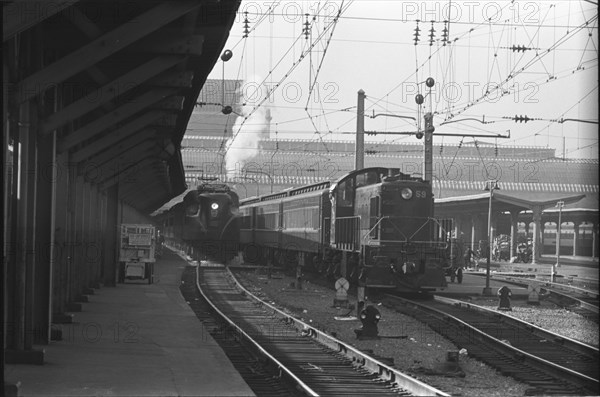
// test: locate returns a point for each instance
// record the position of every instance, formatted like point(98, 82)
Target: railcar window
point(345, 193)
point(246, 222)
point(267, 220)
point(306, 218)
point(270, 221)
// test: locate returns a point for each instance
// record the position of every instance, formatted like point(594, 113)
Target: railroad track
point(261, 378)
point(587, 283)
point(550, 363)
point(313, 362)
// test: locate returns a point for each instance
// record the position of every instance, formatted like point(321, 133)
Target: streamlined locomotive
point(206, 220)
point(380, 219)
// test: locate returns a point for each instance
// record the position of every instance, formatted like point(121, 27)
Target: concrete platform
point(473, 284)
point(134, 339)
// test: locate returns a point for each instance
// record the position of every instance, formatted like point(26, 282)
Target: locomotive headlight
point(214, 206)
point(407, 193)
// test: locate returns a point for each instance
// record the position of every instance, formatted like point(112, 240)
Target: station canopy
point(126, 76)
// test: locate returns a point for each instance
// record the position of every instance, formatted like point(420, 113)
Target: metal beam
point(167, 44)
point(120, 145)
point(83, 23)
point(171, 103)
point(178, 80)
point(22, 15)
point(168, 121)
point(91, 31)
point(119, 161)
point(110, 91)
point(126, 167)
point(102, 48)
point(122, 177)
point(98, 172)
point(116, 135)
point(130, 192)
point(144, 183)
point(101, 124)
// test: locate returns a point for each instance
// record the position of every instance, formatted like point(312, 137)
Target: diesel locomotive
point(381, 220)
point(207, 220)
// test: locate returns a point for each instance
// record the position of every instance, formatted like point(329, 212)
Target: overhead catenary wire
point(326, 130)
point(290, 70)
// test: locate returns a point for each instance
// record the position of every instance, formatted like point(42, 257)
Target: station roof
point(508, 201)
point(126, 76)
point(461, 173)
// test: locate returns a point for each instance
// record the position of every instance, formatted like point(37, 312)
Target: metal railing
point(347, 233)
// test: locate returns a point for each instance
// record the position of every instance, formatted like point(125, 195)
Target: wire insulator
point(246, 25)
point(445, 33)
point(520, 48)
point(417, 34)
point(431, 35)
point(306, 28)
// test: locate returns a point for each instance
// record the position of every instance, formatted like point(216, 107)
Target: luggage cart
point(137, 252)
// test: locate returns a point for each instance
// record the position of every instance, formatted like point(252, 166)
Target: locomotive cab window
point(366, 178)
point(345, 193)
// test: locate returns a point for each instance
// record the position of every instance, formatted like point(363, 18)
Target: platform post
point(490, 185)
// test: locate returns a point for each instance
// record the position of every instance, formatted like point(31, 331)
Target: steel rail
point(304, 387)
point(524, 357)
point(360, 361)
point(373, 365)
point(565, 341)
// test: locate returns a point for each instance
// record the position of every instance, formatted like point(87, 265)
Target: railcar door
point(325, 221)
point(374, 217)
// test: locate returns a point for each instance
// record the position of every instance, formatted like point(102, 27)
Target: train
point(375, 223)
point(206, 221)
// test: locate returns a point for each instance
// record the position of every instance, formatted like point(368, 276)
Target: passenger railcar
point(378, 218)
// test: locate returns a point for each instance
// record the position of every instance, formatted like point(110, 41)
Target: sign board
point(534, 294)
point(140, 239)
point(136, 243)
point(341, 294)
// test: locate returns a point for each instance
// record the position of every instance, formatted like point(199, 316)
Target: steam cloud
point(249, 130)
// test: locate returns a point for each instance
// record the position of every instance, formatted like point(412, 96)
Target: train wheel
point(459, 276)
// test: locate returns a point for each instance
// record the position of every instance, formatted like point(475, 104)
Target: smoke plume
point(250, 128)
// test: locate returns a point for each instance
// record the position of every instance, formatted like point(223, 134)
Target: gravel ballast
point(422, 351)
point(551, 318)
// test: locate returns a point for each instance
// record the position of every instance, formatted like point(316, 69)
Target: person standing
point(467, 257)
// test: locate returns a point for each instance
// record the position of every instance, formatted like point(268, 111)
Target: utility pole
point(359, 155)
point(428, 148)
